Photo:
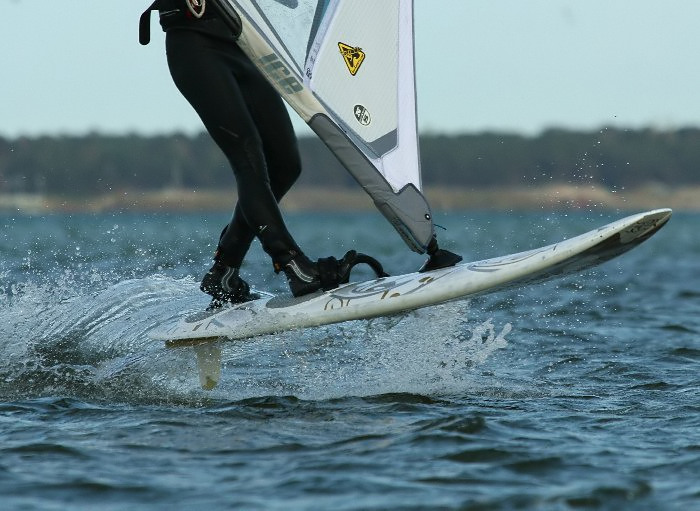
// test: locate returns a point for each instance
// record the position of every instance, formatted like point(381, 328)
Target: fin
point(208, 365)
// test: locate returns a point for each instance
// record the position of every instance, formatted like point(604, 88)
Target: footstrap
point(359, 258)
point(333, 272)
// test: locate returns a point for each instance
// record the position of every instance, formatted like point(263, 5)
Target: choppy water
point(575, 394)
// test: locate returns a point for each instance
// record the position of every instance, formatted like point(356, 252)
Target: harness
point(195, 9)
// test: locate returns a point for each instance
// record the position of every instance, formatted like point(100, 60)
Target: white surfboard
point(392, 295)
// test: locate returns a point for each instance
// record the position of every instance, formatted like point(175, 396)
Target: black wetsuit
point(246, 118)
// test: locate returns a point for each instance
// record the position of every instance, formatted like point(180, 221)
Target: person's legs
point(279, 145)
point(207, 72)
point(202, 69)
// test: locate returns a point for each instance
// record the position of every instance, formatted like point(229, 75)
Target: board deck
point(391, 295)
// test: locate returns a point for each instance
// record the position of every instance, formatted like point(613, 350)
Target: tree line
point(95, 163)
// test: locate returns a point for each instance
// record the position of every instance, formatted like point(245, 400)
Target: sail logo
point(353, 57)
point(279, 74)
point(362, 115)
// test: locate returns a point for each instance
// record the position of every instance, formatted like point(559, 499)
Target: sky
point(519, 66)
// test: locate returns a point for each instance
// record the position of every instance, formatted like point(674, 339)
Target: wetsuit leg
point(281, 156)
point(220, 83)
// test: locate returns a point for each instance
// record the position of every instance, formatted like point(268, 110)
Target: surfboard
point(397, 294)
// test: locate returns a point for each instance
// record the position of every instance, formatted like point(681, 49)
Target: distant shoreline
point(551, 197)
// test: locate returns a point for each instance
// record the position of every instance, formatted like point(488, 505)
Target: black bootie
point(225, 286)
point(302, 274)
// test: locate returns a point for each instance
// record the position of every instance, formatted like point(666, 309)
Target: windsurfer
point(247, 119)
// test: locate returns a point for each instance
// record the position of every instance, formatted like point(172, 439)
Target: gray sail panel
point(407, 210)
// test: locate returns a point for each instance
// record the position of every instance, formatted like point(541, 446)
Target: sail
point(347, 68)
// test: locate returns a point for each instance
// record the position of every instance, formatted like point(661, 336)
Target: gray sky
point(74, 66)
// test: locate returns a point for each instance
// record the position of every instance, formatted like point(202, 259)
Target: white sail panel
point(375, 99)
point(372, 85)
point(405, 160)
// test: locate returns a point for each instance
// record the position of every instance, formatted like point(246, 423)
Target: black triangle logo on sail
point(353, 57)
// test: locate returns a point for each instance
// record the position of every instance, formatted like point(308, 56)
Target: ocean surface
point(580, 393)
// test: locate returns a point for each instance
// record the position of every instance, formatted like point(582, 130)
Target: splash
point(78, 336)
point(87, 338)
point(436, 350)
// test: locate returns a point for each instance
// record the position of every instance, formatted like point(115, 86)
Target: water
point(576, 394)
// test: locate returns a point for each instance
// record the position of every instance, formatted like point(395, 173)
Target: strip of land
point(552, 197)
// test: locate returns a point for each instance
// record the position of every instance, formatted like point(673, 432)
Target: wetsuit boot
point(302, 274)
point(225, 286)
